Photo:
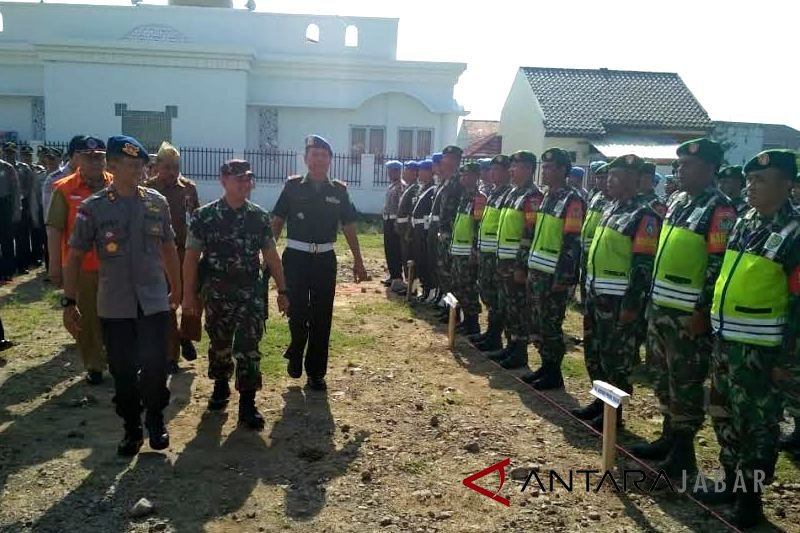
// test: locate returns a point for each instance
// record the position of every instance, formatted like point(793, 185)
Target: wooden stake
point(609, 436)
point(452, 302)
point(410, 270)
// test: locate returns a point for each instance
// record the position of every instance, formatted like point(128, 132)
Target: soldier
point(756, 319)
point(391, 240)
point(731, 182)
point(488, 281)
point(129, 227)
point(420, 220)
point(68, 195)
point(671, 186)
point(553, 265)
point(647, 189)
point(433, 228)
point(464, 249)
point(38, 237)
point(576, 176)
point(688, 260)
point(449, 196)
point(403, 224)
point(22, 227)
point(229, 234)
point(485, 183)
point(9, 215)
point(312, 207)
point(516, 225)
point(181, 195)
point(618, 276)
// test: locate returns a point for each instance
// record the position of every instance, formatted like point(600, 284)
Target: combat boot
point(188, 350)
point(748, 511)
point(530, 377)
point(551, 378)
point(518, 357)
point(156, 432)
point(248, 414)
point(470, 325)
point(132, 442)
point(681, 457)
point(724, 496)
point(219, 398)
point(502, 353)
point(590, 412)
point(659, 448)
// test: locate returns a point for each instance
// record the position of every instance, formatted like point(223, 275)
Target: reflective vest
point(490, 224)
point(589, 227)
point(463, 233)
point(609, 263)
point(680, 265)
point(510, 229)
point(75, 191)
point(751, 296)
point(547, 238)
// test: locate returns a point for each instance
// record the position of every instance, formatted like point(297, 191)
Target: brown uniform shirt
point(182, 199)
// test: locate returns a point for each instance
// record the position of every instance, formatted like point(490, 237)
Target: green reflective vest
point(547, 239)
point(490, 225)
point(463, 233)
point(509, 233)
point(594, 214)
point(751, 296)
point(609, 264)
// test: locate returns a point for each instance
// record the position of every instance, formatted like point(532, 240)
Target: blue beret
point(657, 178)
point(413, 165)
point(123, 145)
point(485, 163)
point(316, 141)
point(426, 164)
point(437, 157)
point(393, 165)
point(594, 165)
point(577, 172)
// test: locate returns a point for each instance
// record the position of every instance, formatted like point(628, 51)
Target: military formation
point(705, 278)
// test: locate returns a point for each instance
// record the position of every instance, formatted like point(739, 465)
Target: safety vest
point(75, 191)
point(589, 227)
point(680, 265)
point(547, 238)
point(463, 232)
point(511, 227)
point(609, 264)
point(751, 296)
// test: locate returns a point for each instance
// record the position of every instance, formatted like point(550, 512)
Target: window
point(367, 140)
point(312, 33)
point(351, 37)
point(414, 143)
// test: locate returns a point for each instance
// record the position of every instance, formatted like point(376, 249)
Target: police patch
point(130, 150)
point(332, 200)
point(650, 227)
point(693, 148)
point(111, 247)
point(774, 242)
point(726, 224)
point(763, 160)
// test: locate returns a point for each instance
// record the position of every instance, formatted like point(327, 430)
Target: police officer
point(618, 274)
point(312, 207)
point(9, 215)
point(391, 240)
point(756, 319)
point(671, 187)
point(576, 177)
point(515, 228)
point(181, 195)
point(403, 223)
point(464, 249)
point(230, 233)
point(420, 221)
point(129, 227)
point(488, 285)
point(22, 226)
point(433, 228)
point(553, 264)
point(688, 260)
point(731, 182)
point(449, 197)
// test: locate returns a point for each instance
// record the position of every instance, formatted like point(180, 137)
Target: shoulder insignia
point(294, 177)
point(339, 183)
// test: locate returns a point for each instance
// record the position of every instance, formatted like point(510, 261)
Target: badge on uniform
point(301, 216)
point(774, 242)
point(332, 200)
point(111, 247)
point(109, 235)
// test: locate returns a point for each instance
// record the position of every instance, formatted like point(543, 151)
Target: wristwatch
point(68, 302)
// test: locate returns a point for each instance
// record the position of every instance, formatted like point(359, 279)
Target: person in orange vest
point(68, 193)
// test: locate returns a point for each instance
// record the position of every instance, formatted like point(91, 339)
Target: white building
point(743, 140)
point(220, 77)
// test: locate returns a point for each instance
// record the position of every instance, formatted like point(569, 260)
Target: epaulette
point(292, 178)
point(340, 183)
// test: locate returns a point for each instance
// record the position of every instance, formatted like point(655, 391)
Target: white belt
point(389, 217)
point(309, 247)
point(402, 220)
point(435, 218)
point(416, 221)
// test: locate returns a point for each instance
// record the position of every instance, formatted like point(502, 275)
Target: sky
point(739, 58)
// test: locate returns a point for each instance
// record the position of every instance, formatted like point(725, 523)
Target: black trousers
point(419, 253)
point(7, 262)
point(392, 250)
point(39, 243)
point(311, 281)
point(22, 237)
point(137, 359)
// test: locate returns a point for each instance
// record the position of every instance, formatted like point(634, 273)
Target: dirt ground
point(386, 449)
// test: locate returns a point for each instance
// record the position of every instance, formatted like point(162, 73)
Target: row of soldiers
point(708, 282)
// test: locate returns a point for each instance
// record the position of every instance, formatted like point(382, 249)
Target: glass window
point(405, 145)
point(377, 142)
point(358, 141)
point(424, 142)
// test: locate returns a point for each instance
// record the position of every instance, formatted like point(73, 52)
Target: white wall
point(570, 144)
point(15, 115)
point(522, 120)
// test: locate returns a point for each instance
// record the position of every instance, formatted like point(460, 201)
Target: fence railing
point(271, 166)
point(346, 168)
point(203, 163)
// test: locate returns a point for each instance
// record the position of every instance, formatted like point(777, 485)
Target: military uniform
point(433, 227)
point(737, 200)
point(420, 221)
point(391, 240)
point(449, 197)
point(9, 212)
point(403, 224)
point(23, 230)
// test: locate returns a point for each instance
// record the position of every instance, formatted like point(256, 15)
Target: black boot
point(470, 325)
point(659, 448)
point(748, 511)
point(681, 457)
point(589, 412)
point(492, 339)
point(518, 357)
point(597, 421)
point(551, 378)
point(156, 432)
point(219, 398)
point(719, 497)
point(502, 353)
point(133, 439)
point(188, 350)
point(248, 414)
point(530, 377)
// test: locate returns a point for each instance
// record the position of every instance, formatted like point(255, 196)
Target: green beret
point(705, 149)
point(10, 147)
point(601, 170)
point(452, 149)
point(734, 171)
point(523, 156)
point(502, 160)
point(647, 168)
point(26, 149)
point(627, 162)
point(472, 166)
point(783, 160)
point(55, 152)
point(558, 156)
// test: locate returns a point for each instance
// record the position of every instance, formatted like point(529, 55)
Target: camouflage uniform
point(450, 197)
point(433, 236)
point(597, 203)
point(660, 207)
point(465, 267)
point(488, 280)
point(232, 287)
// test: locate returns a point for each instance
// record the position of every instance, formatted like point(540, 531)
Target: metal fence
point(271, 166)
point(346, 168)
point(203, 163)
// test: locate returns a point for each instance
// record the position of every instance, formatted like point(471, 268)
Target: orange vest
point(75, 191)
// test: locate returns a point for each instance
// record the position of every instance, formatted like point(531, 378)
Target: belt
point(402, 220)
point(389, 217)
point(309, 247)
point(435, 218)
point(416, 221)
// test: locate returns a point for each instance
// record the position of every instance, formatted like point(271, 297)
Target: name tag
point(332, 200)
point(696, 215)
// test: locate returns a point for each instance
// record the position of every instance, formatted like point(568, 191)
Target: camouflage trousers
point(788, 385)
point(235, 328)
point(548, 309)
point(745, 408)
point(614, 342)
point(465, 284)
point(591, 353)
point(444, 264)
point(682, 367)
point(488, 284)
point(512, 301)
